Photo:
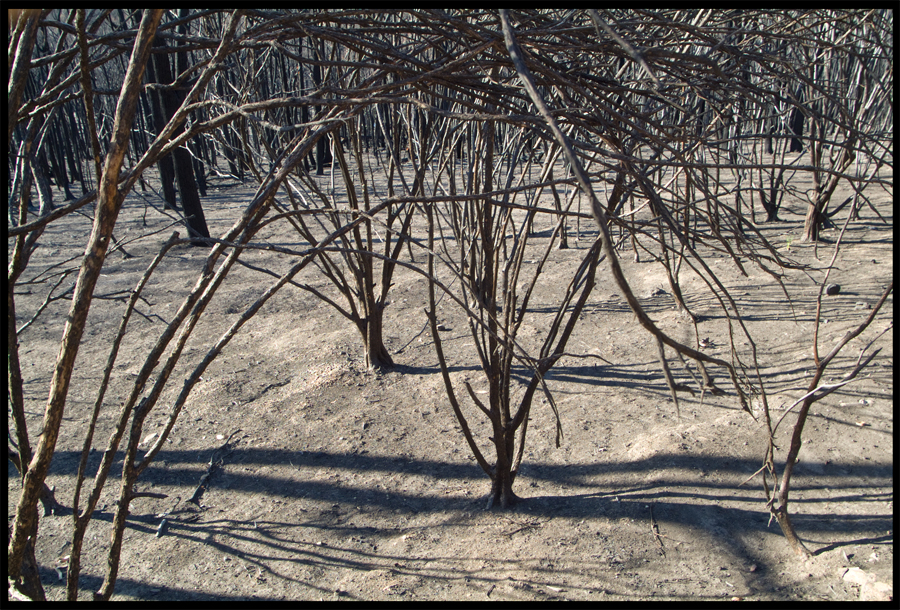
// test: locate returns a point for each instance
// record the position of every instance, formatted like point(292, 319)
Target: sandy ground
point(340, 483)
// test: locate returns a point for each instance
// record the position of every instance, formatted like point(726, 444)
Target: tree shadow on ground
point(703, 495)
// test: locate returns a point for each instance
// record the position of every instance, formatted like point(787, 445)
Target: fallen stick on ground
point(202, 486)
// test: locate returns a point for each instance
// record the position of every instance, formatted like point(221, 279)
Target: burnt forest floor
point(341, 483)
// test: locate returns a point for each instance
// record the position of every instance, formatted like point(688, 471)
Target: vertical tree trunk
point(371, 329)
point(57, 164)
point(796, 124)
point(199, 175)
point(503, 433)
point(70, 143)
point(815, 215)
point(165, 165)
point(45, 195)
point(322, 155)
point(184, 170)
point(563, 236)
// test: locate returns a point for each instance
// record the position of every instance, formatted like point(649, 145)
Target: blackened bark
point(165, 164)
point(772, 201)
point(70, 143)
point(501, 490)
point(796, 125)
point(200, 176)
point(171, 100)
point(816, 214)
point(557, 202)
point(372, 331)
point(323, 155)
point(304, 110)
point(190, 197)
point(57, 164)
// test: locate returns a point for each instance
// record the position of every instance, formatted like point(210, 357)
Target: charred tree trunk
point(561, 219)
point(816, 215)
point(165, 165)
point(372, 304)
point(58, 164)
point(171, 100)
point(323, 157)
point(371, 329)
point(772, 201)
point(70, 147)
point(200, 176)
point(796, 125)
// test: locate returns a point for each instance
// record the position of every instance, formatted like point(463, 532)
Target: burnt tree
point(170, 99)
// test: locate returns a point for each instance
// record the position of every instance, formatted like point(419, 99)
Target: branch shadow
point(715, 509)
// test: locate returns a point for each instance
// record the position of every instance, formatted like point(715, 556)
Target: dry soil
point(333, 482)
